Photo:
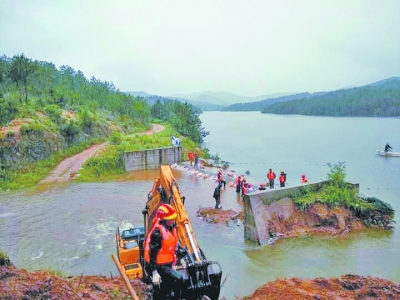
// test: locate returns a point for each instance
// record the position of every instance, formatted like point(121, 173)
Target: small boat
point(389, 153)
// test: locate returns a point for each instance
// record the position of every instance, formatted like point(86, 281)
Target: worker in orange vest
point(304, 178)
point(191, 157)
point(221, 178)
point(244, 189)
point(238, 183)
point(271, 177)
point(160, 251)
point(282, 179)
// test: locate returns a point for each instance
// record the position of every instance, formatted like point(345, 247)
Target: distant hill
point(260, 105)
point(224, 98)
point(283, 102)
point(139, 94)
point(204, 106)
point(151, 99)
point(391, 80)
point(200, 106)
point(378, 99)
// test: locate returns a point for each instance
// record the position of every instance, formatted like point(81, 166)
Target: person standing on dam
point(271, 177)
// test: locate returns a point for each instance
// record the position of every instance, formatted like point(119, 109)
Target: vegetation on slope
point(336, 192)
point(109, 161)
point(47, 114)
point(377, 100)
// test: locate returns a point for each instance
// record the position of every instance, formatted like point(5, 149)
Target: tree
point(21, 68)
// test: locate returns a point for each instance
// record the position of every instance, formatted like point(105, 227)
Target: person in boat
point(387, 147)
point(160, 249)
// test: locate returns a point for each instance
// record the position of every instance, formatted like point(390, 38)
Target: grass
point(109, 161)
point(32, 173)
point(333, 194)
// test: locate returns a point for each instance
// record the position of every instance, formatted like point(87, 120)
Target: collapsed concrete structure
point(262, 208)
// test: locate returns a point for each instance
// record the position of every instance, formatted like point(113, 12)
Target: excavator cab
point(129, 243)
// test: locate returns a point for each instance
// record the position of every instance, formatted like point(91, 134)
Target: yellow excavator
point(201, 277)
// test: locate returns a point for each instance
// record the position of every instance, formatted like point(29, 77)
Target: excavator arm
point(166, 190)
point(201, 277)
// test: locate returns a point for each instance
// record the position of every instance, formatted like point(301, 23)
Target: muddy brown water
point(71, 226)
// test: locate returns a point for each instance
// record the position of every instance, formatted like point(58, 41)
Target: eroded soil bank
point(21, 284)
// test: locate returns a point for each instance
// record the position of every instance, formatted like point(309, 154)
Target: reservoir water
point(71, 227)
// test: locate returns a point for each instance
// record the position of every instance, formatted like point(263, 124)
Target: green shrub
point(4, 259)
point(10, 134)
point(332, 194)
point(108, 162)
point(54, 111)
point(33, 127)
point(116, 138)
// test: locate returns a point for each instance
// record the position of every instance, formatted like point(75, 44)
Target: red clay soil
point(213, 215)
point(21, 284)
point(156, 128)
point(70, 166)
point(345, 287)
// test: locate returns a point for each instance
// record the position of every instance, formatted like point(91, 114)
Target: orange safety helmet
point(166, 212)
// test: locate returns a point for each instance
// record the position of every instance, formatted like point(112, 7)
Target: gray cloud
point(249, 48)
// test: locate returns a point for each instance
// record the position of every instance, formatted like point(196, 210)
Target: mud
point(213, 215)
point(70, 166)
point(344, 287)
point(22, 284)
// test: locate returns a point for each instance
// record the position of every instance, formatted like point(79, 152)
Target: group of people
point(282, 178)
point(243, 187)
point(271, 178)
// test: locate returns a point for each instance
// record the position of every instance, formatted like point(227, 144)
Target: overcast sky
point(249, 48)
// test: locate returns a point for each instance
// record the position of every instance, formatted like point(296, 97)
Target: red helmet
point(166, 212)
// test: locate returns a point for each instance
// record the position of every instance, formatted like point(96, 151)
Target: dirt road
point(70, 166)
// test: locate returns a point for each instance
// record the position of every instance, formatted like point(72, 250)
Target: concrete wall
point(152, 158)
point(259, 207)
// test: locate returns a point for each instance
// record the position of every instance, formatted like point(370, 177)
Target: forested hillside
point(380, 99)
point(46, 110)
point(197, 106)
point(260, 105)
point(28, 86)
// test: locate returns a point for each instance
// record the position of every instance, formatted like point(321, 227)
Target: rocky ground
point(22, 284)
